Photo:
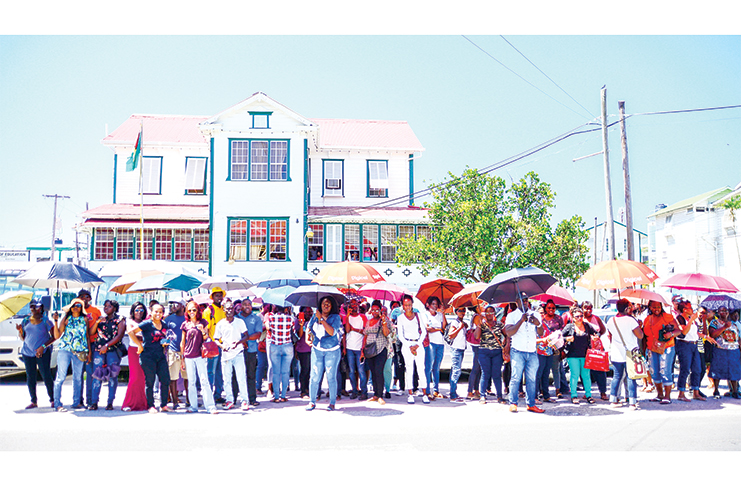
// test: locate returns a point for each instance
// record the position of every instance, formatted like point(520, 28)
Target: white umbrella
point(226, 282)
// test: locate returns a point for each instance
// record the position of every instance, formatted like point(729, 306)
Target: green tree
point(733, 206)
point(481, 228)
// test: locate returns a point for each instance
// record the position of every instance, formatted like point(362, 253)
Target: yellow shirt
point(213, 317)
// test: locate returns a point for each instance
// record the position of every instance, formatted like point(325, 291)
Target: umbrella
point(281, 277)
point(716, 301)
point(123, 283)
point(509, 286)
point(558, 294)
point(469, 295)
point(616, 274)
point(310, 295)
point(348, 273)
point(277, 295)
point(642, 296)
point(442, 288)
point(166, 281)
point(12, 302)
point(201, 299)
point(240, 294)
point(226, 282)
point(382, 291)
point(58, 275)
point(699, 282)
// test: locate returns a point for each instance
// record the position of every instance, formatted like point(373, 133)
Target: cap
point(36, 303)
point(84, 292)
point(217, 289)
point(176, 297)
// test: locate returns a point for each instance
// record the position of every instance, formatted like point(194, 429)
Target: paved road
point(397, 426)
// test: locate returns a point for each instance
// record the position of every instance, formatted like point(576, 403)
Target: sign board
point(14, 255)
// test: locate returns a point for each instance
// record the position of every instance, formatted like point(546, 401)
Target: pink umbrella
point(642, 296)
point(382, 291)
point(699, 282)
point(558, 294)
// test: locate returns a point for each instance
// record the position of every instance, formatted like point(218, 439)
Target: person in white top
point(687, 352)
point(436, 324)
point(456, 335)
point(624, 331)
point(227, 335)
point(354, 324)
point(523, 328)
point(411, 334)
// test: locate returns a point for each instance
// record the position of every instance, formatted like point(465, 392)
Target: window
point(370, 243)
point(259, 160)
point(316, 243)
point(388, 243)
point(200, 245)
point(352, 242)
point(163, 244)
point(125, 244)
point(424, 232)
point(151, 175)
point(406, 231)
point(263, 235)
point(378, 178)
point(333, 171)
point(195, 175)
point(333, 236)
point(148, 237)
point(182, 242)
point(260, 119)
point(104, 243)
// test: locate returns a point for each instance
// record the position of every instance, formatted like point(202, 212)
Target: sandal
point(590, 400)
point(655, 399)
point(684, 399)
point(575, 401)
point(665, 401)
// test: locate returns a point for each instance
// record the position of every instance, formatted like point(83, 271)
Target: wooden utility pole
point(610, 223)
point(594, 300)
point(54, 223)
point(626, 182)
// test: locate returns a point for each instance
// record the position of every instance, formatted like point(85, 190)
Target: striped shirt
point(279, 329)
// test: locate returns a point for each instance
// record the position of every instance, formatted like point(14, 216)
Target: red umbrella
point(699, 282)
point(469, 295)
point(442, 288)
point(382, 291)
point(558, 294)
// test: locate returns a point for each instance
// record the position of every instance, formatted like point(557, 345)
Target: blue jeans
point(689, 364)
point(280, 361)
point(214, 374)
point(475, 376)
point(618, 373)
point(428, 368)
point(387, 373)
point(357, 370)
point(437, 351)
point(527, 364)
point(321, 362)
point(109, 358)
point(64, 360)
point(546, 364)
point(262, 369)
point(662, 367)
point(491, 362)
point(197, 369)
point(456, 360)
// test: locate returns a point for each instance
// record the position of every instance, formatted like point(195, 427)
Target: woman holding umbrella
point(726, 364)
point(72, 334)
point(324, 337)
point(35, 331)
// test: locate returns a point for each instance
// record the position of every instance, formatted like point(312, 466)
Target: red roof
point(151, 212)
point(159, 129)
point(391, 135)
point(411, 214)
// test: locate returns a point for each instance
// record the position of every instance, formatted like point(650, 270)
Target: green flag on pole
point(133, 160)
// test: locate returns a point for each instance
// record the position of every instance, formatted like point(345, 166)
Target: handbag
point(209, 349)
point(635, 363)
point(597, 360)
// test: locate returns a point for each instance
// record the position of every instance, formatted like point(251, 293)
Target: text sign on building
point(14, 255)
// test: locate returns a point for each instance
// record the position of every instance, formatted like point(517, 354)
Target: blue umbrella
point(281, 277)
point(716, 301)
point(166, 281)
point(277, 295)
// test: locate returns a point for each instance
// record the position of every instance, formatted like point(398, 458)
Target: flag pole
point(141, 191)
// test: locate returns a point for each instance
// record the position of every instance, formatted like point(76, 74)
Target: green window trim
point(136, 241)
point(205, 177)
point(247, 245)
point(266, 114)
point(249, 162)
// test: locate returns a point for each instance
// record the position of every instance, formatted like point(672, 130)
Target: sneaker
point(353, 396)
point(331, 408)
point(373, 399)
point(381, 401)
point(152, 410)
point(126, 409)
point(219, 400)
point(535, 409)
point(410, 399)
point(425, 399)
point(213, 411)
point(482, 400)
point(513, 408)
point(228, 405)
point(310, 407)
point(245, 406)
point(61, 409)
point(456, 400)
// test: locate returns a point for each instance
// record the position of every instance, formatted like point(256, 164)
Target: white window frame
point(333, 248)
point(151, 175)
point(333, 175)
point(378, 178)
point(195, 175)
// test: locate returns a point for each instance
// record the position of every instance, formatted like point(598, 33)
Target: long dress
point(135, 399)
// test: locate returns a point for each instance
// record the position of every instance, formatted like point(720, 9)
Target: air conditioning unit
point(333, 183)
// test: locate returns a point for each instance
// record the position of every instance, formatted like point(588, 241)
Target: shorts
point(174, 364)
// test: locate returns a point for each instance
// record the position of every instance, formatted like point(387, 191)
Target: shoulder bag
point(635, 363)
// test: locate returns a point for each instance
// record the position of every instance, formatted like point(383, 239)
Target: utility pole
point(626, 182)
point(610, 223)
point(54, 223)
point(594, 299)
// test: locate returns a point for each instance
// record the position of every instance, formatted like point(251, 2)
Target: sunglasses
point(77, 306)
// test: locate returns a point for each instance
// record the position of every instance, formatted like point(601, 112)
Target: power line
point(549, 78)
point(513, 72)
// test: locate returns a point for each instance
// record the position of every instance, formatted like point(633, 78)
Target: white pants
point(409, 360)
point(236, 364)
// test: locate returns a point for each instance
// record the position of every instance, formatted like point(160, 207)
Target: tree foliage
point(733, 205)
point(482, 228)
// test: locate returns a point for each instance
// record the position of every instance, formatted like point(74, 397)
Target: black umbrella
point(310, 295)
point(509, 286)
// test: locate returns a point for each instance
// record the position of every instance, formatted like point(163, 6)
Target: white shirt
point(459, 342)
point(524, 338)
point(436, 322)
point(229, 333)
point(409, 332)
point(692, 334)
point(354, 340)
point(626, 324)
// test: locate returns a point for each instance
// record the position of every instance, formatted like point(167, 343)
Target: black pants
point(250, 365)
point(376, 364)
point(44, 365)
point(153, 365)
point(399, 369)
point(304, 361)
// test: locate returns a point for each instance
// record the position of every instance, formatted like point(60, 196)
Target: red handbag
point(597, 360)
point(209, 349)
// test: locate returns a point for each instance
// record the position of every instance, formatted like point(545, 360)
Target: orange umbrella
point(442, 288)
point(469, 295)
point(123, 283)
point(616, 274)
point(348, 273)
point(642, 296)
point(558, 294)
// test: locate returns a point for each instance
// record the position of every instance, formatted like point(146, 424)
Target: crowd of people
point(224, 350)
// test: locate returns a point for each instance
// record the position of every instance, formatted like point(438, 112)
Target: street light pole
point(54, 223)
